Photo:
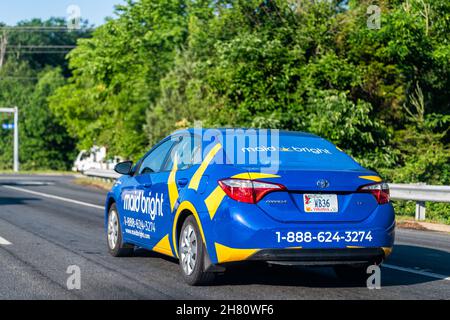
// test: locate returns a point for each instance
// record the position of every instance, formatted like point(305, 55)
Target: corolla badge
point(323, 184)
point(276, 202)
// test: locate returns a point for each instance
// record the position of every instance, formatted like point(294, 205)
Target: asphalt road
point(42, 233)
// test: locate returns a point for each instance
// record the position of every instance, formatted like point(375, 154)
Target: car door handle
point(147, 185)
point(182, 182)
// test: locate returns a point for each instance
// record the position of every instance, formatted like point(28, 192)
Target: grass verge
point(435, 212)
point(98, 184)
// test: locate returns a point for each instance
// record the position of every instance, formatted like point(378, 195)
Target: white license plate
point(320, 203)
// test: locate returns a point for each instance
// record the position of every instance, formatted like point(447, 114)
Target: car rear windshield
point(286, 151)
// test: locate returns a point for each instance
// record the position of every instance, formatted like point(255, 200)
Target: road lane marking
point(4, 242)
point(418, 272)
point(50, 196)
point(27, 183)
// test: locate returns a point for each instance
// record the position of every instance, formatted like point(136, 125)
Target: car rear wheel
point(192, 254)
point(353, 273)
point(114, 236)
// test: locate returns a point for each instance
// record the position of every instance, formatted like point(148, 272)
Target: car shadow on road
point(143, 253)
point(16, 201)
point(405, 256)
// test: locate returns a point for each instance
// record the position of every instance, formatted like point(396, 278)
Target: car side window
point(185, 152)
point(155, 160)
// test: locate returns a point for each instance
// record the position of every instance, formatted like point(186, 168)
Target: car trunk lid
point(340, 185)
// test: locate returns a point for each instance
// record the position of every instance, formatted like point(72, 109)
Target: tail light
point(380, 191)
point(248, 191)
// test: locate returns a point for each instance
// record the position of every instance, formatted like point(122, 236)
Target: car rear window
point(285, 150)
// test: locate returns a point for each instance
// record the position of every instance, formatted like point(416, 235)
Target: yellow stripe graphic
point(195, 181)
point(164, 246)
point(371, 178)
point(172, 185)
point(255, 176)
point(214, 200)
point(387, 251)
point(185, 205)
point(226, 254)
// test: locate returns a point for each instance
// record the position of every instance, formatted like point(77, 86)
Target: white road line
point(418, 272)
point(4, 242)
point(50, 196)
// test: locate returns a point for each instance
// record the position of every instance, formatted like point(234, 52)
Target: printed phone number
point(325, 237)
point(140, 225)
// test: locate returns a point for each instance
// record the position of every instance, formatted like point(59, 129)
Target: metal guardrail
point(109, 175)
point(420, 193)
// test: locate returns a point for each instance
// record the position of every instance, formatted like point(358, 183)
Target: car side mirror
point(124, 167)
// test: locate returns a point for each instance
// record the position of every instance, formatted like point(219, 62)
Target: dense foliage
point(380, 94)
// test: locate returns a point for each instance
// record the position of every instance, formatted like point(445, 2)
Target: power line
point(38, 52)
point(39, 49)
point(19, 78)
point(45, 29)
point(42, 46)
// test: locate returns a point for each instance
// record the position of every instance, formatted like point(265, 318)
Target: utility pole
point(14, 111)
point(16, 139)
point(3, 44)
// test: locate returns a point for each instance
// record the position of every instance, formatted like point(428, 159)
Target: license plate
point(326, 203)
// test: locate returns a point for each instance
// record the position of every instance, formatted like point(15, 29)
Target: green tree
point(45, 144)
point(117, 74)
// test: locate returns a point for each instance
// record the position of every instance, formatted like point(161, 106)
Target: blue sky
point(12, 11)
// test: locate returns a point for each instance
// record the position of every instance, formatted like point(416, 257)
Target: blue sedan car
point(215, 197)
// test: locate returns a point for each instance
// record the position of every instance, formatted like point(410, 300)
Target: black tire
point(119, 249)
point(198, 276)
point(356, 274)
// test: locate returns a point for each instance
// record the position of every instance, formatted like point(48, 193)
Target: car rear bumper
point(322, 256)
point(242, 231)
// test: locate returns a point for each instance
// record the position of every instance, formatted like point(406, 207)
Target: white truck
point(94, 159)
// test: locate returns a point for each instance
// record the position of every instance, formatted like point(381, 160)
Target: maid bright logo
point(287, 149)
point(137, 202)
